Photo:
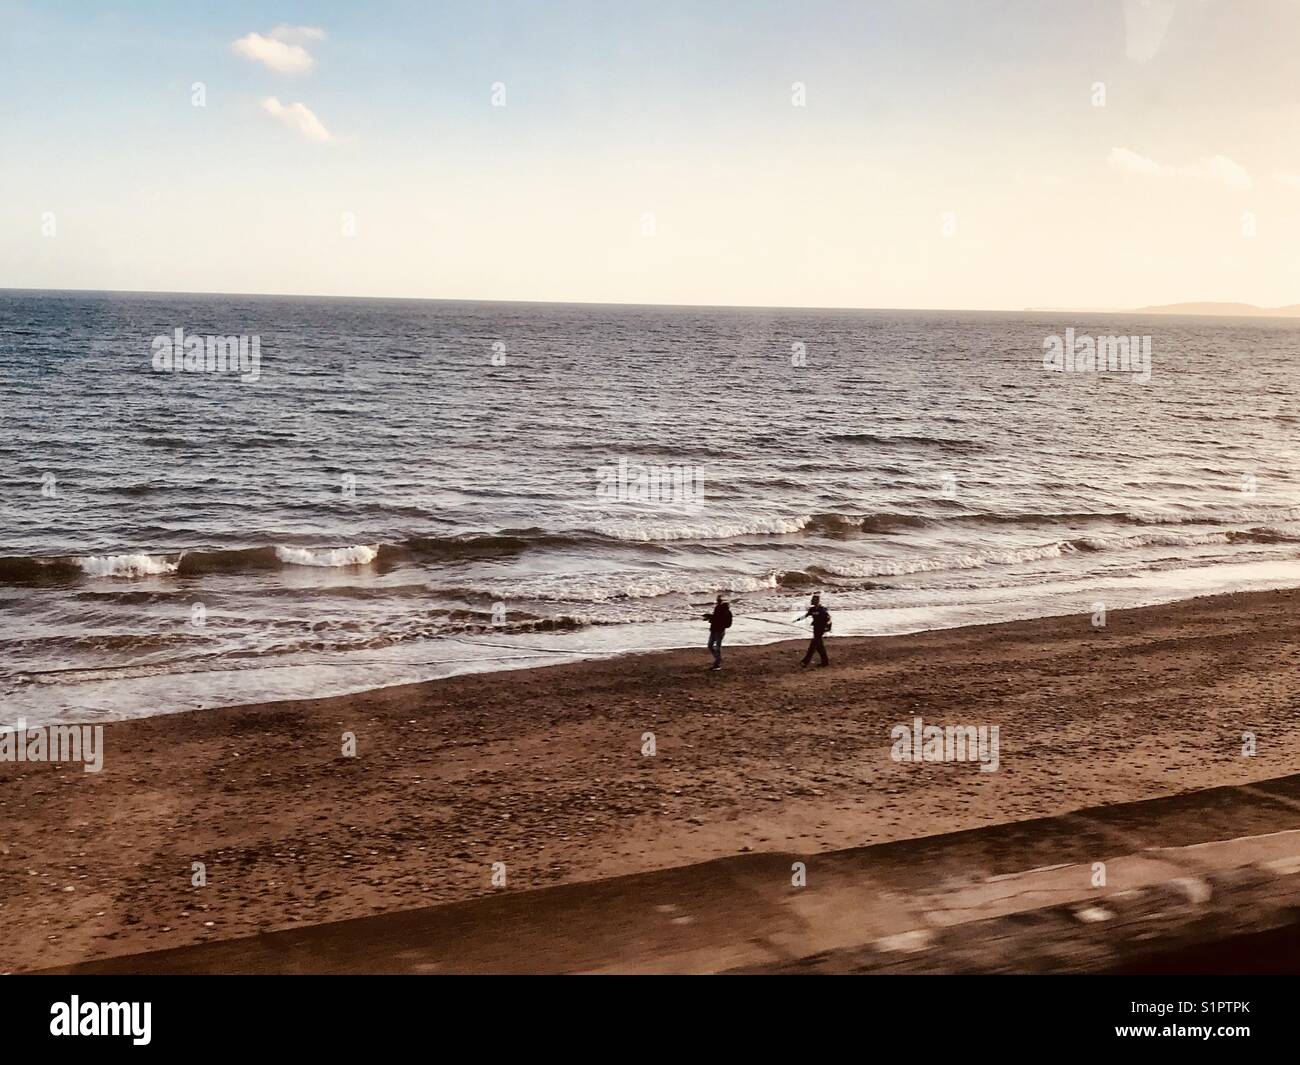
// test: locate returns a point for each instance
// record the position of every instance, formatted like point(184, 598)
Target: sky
point(958, 154)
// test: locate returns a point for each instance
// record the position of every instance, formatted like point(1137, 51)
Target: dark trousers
point(715, 644)
point(817, 646)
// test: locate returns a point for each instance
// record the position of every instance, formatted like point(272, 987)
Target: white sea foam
point(647, 531)
point(1120, 543)
point(358, 555)
point(1238, 516)
point(894, 567)
point(604, 587)
point(135, 565)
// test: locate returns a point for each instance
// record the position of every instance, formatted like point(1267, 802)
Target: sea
point(209, 500)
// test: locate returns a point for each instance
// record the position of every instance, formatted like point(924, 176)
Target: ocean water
point(406, 489)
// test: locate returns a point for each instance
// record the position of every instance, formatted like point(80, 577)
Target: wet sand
point(543, 770)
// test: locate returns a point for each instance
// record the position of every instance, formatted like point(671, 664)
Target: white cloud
point(300, 117)
point(282, 49)
point(1218, 168)
point(1131, 162)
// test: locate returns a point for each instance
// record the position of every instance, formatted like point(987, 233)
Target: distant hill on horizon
point(1224, 309)
point(1221, 310)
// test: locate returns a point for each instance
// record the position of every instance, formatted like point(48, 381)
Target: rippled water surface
point(412, 488)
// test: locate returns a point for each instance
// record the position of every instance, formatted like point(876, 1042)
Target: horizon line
point(699, 306)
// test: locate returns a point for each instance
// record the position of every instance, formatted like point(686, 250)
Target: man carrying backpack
point(821, 619)
point(719, 622)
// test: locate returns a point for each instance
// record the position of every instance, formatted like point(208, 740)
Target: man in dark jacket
point(719, 622)
point(821, 619)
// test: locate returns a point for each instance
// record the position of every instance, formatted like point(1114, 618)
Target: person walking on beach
point(821, 619)
point(719, 622)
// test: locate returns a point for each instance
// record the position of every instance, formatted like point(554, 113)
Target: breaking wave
point(1157, 531)
point(360, 555)
point(650, 531)
point(135, 565)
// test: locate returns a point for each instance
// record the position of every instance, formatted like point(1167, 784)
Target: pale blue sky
point(1183, 186)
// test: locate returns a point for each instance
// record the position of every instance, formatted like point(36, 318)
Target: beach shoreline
point(546, 775)
point(123, 692)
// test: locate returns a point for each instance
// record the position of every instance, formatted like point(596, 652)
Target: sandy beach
point(543, 770)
